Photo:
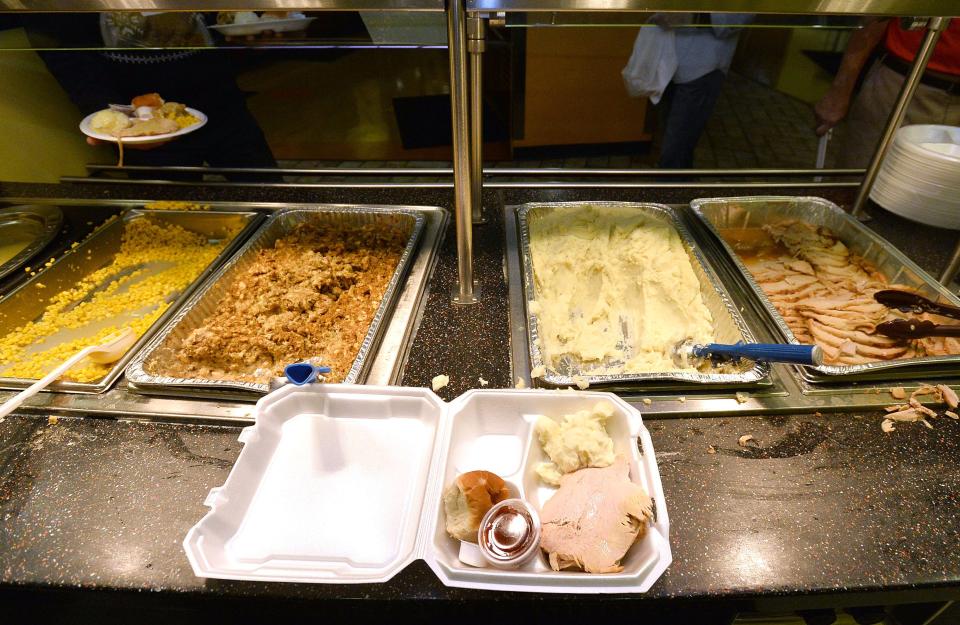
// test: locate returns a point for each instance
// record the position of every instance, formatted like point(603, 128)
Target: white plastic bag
point(652, 64)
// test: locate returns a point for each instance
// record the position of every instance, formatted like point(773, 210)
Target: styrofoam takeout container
point(342, 484)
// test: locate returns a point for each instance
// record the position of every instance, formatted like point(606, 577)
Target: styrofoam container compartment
point(342, 484)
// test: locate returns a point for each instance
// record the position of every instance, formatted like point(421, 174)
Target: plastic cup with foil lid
point(509, 534)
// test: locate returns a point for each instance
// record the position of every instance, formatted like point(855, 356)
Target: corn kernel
point(177, 206)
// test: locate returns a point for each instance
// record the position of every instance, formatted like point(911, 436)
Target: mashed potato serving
point(110, 122)
point(578, 441)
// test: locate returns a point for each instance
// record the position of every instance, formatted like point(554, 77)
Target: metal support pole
point(476, 45)
point(952, 268)
point(935, 26)
point(463, 292)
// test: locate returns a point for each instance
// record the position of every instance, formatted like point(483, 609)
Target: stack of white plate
point(920, 176)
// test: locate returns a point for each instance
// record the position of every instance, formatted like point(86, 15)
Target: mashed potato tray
point(729, 324)
point(342, 484)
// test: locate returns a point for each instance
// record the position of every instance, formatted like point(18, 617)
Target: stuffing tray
point(87, 264)
point(144, 372)
point(729, 324)
point(745, 212)
point(342, 484)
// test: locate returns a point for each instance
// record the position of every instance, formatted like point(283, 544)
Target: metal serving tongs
point(915, 329)
point(904, 301)
point(687, 353)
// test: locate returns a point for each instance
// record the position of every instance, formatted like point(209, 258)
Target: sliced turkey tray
point(845, 330)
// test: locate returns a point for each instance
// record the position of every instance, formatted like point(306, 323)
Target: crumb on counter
point(887, 425)
point(948, 396)
point(682, 399)
point(482, 381)
point(898, 393)
point(742, 398)
point(52, 420)
point(746, 438)
point(520, 383)
point(439, 381)
point(647, 401)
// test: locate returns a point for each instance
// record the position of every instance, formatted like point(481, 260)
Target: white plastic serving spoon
point(111, 350)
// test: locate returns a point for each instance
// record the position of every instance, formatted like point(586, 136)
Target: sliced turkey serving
point(594, 518)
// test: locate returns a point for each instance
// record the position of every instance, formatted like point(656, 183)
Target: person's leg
point(690, 108)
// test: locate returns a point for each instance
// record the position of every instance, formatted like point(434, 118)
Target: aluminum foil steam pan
point(148, 371)
point(27, 302)
point(754, 212)
point(729, 325)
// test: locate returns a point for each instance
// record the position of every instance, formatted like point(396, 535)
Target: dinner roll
point(152, 100)
point(468, 499)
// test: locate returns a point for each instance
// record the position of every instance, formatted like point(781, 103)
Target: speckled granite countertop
point(827, 511)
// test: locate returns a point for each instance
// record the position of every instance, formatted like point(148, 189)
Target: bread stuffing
point(312, 295)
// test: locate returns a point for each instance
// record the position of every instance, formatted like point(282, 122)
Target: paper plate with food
point(147, 119)
point(248, 23)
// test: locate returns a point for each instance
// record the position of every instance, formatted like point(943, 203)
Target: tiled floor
point(756, 126)
point(752, 126)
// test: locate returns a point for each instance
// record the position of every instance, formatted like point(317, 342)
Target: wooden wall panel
point(574, 93)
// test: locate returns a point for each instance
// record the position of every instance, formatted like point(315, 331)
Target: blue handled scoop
point(688, 354)
point(300, 373)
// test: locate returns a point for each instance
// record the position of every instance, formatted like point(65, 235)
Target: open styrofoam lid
point(315, 497)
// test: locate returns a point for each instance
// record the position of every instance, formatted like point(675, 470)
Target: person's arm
point(833, 106)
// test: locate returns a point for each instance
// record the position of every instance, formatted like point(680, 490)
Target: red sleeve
point(905, 43)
